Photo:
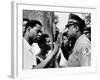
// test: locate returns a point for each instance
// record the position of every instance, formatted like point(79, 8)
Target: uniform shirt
point(81, 55)
point(29, 58)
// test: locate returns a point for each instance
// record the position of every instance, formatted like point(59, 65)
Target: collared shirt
point(35, 48)
point(29, 58)
point(81, 55)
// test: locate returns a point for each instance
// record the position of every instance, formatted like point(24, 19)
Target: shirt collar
point(26, 44)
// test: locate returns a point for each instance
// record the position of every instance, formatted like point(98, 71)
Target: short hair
point(32, 23)
point(77, 21)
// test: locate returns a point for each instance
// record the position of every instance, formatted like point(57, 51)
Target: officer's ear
point(77, 28)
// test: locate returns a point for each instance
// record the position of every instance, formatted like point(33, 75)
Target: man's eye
point(39, 31)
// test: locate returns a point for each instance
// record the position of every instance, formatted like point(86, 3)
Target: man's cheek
point(34, 34)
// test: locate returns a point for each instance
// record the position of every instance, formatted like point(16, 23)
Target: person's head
point(33, 29)
point(75, 26)
point(44, 42)
point(25, 20)
point(87, 32)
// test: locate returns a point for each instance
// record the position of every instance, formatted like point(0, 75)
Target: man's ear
point(77, 28)
point(28, 29)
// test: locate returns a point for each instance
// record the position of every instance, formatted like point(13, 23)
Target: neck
point(28, 39)
point(78, 35)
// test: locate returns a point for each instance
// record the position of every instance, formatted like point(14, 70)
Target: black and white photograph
point(51, 39)
point(56, 39)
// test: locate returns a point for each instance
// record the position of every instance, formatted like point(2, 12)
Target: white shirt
point(35, 48)
point(29, 58)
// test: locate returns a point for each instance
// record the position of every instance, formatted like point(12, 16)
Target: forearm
point(47, 61)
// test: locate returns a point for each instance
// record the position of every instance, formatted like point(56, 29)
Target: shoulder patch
point(86, 51)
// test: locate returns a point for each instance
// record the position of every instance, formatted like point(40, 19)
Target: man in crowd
point(32, 34)
point(87, 32)
point(32, 31)
point(81, 55)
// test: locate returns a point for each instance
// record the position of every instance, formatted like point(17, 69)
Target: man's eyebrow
point(39, 31)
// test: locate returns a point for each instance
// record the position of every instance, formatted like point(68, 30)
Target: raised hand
point(58, 42)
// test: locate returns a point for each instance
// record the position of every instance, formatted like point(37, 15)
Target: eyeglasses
point(70, 24)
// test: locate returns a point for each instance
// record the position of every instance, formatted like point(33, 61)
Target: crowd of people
point(71, 48)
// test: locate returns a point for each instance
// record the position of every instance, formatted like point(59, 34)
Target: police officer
point(81, 55)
